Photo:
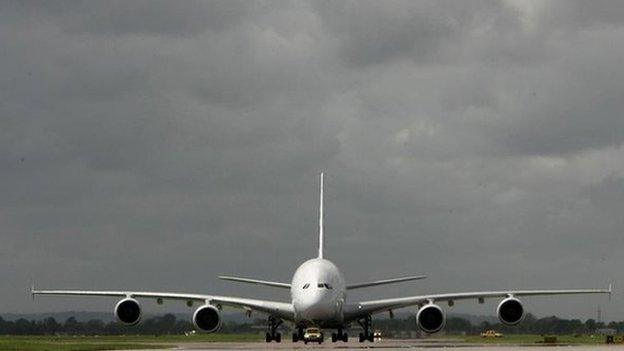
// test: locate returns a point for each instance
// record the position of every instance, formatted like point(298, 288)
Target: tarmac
point(387, 345)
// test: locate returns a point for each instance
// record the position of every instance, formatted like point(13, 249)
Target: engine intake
point(128, 311)
point(207, 318)
point(430, 318)
point(510, 311)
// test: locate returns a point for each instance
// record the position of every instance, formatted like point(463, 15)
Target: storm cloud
point(155, 145)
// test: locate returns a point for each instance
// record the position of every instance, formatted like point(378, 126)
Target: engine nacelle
point(510, 311)
point(207, 318)
point(430, 318)
point(128, 311)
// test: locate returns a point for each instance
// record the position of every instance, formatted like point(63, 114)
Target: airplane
point(319, 299)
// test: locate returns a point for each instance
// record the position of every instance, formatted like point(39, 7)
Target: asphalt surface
point(388, 345)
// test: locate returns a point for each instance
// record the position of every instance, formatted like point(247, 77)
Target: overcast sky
point(154, 145)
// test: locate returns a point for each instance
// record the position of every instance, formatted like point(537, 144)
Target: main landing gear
point(298, 336)
point(272, 334)
point(340, 336)
point(366, 324)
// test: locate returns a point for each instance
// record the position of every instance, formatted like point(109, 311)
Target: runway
point(388, 345)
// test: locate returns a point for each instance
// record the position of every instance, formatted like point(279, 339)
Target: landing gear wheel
point(366, 324)
point(345, 337)
point(295, 337)
point(272, 333)
point(334, 337)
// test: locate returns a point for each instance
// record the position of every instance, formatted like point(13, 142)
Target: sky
point(153, 145)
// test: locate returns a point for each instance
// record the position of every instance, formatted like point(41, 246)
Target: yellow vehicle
point(313, 334)
point(491, 334)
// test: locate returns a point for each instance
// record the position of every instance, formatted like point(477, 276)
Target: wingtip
point(32, 290)
point(609, 291)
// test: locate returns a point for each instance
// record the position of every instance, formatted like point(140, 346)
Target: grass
point(122, 342)
point(522, 339)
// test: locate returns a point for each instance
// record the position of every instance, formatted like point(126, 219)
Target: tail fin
point(321, 243)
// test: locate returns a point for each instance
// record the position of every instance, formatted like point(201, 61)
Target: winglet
point(32, 290)
point(610, 291)
point(321, 239)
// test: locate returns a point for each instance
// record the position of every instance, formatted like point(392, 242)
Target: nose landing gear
point(298, 335)
point(340, 336)
point(366, 324)
point(272, 334)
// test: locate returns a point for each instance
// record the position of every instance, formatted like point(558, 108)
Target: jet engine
point(510, 311)
point(430, 318)
point(128, 311)
point(207, 318)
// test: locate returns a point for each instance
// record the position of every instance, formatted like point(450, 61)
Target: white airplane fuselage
point(318, 293)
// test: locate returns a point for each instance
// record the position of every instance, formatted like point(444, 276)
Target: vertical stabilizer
point(321, 243)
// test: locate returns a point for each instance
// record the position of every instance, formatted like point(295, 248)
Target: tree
point(72, 326)
point(590, 324)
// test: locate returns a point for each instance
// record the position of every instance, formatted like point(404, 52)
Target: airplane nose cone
point(313, 306)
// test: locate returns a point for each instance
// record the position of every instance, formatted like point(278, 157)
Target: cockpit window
point(307, 285)
point(320, 285)
point(328, 286)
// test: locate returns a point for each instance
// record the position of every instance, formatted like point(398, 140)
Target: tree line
point(166, 324)
point(169, 324)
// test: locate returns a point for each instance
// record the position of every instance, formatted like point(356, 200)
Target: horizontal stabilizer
point(385, 281)
point(255, 281)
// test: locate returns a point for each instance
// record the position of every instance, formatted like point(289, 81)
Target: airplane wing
point(384, 282)
point(255, 281)
point(277, 309)
point(364, 308)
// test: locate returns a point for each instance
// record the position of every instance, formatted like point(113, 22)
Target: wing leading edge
point(274, 308)
point(376, 306)
point(255, 281)
point(385, 281)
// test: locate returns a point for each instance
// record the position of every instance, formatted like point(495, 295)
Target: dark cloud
point(155, 145)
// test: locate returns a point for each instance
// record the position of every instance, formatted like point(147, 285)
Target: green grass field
point(97, 343)
point(522, 339)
